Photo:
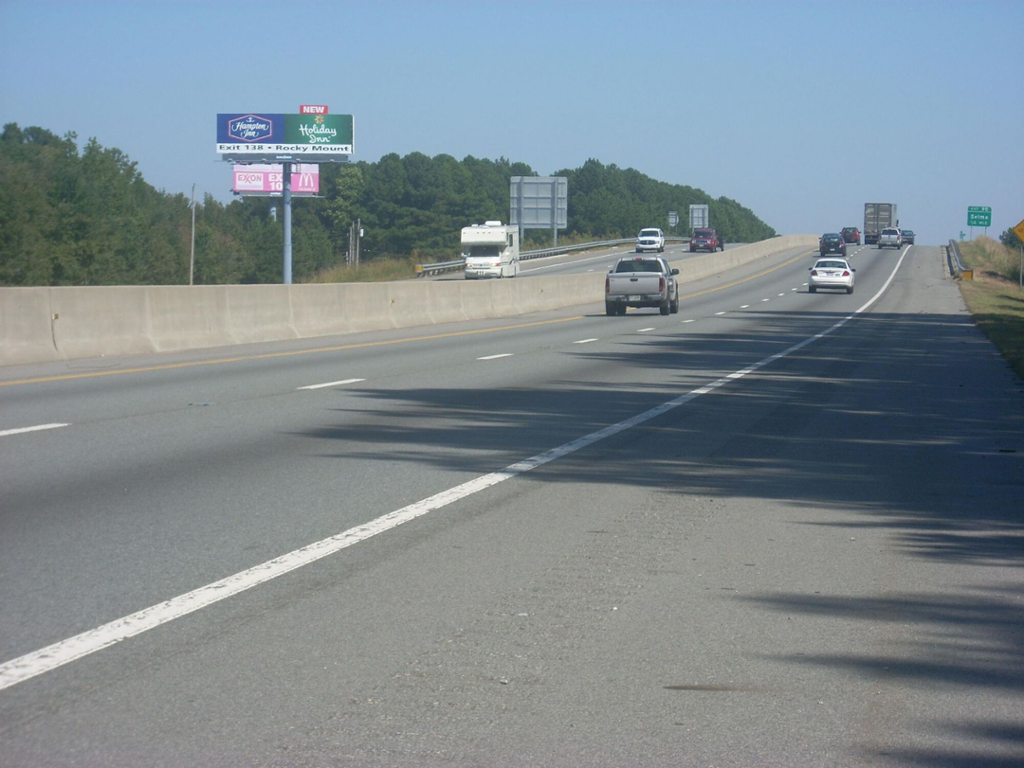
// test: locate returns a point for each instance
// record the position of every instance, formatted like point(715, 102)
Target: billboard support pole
point(287, 195)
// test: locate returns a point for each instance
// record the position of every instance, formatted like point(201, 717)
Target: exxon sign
point(251, 128)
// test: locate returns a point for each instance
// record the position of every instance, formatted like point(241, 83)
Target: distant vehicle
point(851, 235)
point(706, 240)
point(490, 249)
point(651, 239)
point(641, 281)
point(878, 216)
point(832, 242)
point(908, 236)
point(831, 273)
point(891, 237)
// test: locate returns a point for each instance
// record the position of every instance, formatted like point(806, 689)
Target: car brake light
point(661, 285)
point(846, 273)
point(607, 285)
point(814, 272)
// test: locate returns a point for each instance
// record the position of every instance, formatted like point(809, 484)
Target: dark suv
point(832, 242)
point(851, 235)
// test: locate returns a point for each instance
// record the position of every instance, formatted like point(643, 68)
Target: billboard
point(539, 202)
point(269, 136)
point(699, 216)
point(268, 180)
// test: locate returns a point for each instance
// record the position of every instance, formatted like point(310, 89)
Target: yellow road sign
point(1019, 230)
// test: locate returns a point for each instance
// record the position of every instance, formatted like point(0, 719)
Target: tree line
point(71, 216)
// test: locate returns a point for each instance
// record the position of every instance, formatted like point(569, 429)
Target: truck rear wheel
point(665, 308)
point(610, 309)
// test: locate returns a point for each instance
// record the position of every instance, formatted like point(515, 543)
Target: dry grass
point(994, 298)
point(376, 271)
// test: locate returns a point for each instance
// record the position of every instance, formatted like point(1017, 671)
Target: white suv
point(650, 240)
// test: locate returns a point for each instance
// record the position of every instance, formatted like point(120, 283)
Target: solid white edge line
point(495, 357)
point(38, 428)
point(584, 341)
point(46, 659)
point(332, 384)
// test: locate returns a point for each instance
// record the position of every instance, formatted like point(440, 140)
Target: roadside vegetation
point(994, 297)
point(72, 215)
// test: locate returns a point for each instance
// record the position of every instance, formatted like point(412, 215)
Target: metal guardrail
point(451, 266)
point(956, 262)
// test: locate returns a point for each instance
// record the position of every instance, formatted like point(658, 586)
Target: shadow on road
point(912, 423)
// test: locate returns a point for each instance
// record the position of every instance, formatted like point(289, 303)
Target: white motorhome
point(490, 249)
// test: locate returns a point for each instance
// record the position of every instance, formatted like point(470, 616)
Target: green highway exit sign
point(979, 216)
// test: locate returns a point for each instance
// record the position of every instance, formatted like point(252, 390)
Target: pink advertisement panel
point(269, 180)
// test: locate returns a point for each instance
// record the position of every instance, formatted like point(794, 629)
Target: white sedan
point(831, 273)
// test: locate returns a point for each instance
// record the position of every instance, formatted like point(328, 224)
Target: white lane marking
point(645, 330)
point(764, 300)
point(46, 659)
point(495, 357)
point(333, 384)
point(717, 314)
point(38, 428)
point(782, 294)
point(584, 341)
point(691, 320)
point(745, 306)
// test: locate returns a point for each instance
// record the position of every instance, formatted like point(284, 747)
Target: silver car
point(831, 273)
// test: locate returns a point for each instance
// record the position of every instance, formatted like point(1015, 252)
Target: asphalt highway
point(778, 528)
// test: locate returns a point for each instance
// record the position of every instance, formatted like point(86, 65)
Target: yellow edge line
point(747, 279)
point(269, 355)
point(318, 350)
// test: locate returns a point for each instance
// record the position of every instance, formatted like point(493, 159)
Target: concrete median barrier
point(49, 324)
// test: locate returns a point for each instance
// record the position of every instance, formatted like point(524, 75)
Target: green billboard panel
point(318, 130)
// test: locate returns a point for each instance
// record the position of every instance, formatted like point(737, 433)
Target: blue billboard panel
point(250, 128)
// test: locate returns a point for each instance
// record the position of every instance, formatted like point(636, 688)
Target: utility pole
point(192, 254)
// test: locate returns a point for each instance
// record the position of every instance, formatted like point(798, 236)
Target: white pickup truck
point(641, 281)
point(891, 237)
point(650, 239)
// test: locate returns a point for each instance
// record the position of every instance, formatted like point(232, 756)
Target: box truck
point(878, 216)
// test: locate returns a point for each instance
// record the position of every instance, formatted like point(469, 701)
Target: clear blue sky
point(801, 111)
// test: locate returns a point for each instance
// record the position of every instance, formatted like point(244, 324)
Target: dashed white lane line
point(719, 314)
point(764, 300)
point(645, 330)
point(495, 357)
point(691, 320)
point(333, 384)
point(46, 659)
point(38, 428)
point(584, 341)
